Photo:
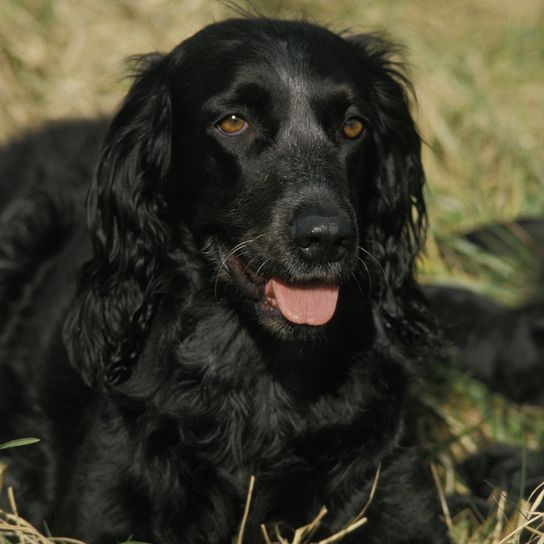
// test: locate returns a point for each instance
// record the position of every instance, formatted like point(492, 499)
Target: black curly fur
point(181, 386)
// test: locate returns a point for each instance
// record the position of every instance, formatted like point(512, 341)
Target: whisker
point(262, 265)
point(238, 249)
point(359, 286)
point(388, 286)
point(362, 261)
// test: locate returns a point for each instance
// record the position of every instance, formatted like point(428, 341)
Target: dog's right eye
point(353, 128)
point(232, 125)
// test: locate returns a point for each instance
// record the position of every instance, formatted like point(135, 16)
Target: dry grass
point(304, 535)
point(477, 68)
point(500, 528)
point(14, 528)
point(497, 529)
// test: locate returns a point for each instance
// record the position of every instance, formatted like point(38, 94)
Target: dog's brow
point(338, 97)
point(251, 93)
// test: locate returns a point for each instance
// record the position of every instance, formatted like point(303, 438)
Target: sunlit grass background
point(478, 69)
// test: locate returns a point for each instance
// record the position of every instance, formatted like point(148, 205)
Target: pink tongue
point(308, 304)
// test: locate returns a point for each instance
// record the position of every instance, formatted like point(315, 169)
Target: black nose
point(322, 236)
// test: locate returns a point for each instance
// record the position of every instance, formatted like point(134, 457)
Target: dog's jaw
point(305, 304)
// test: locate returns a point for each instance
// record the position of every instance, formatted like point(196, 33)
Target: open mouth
point(309, 303)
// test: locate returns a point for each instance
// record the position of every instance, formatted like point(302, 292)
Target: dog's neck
point(308, 370)
point(312, 368)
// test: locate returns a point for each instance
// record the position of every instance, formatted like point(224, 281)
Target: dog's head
point(289, 154)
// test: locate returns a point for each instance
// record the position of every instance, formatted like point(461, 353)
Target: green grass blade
point(18, 443)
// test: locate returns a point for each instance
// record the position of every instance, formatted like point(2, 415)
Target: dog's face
point(290, 155)
point(271, 142)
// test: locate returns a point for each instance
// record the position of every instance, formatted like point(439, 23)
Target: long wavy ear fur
point(392, 206)
point(114, 305)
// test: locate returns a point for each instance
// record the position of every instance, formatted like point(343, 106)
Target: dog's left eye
point(232, 125)
point(353, 127)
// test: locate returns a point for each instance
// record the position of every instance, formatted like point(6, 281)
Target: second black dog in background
point(503, 347)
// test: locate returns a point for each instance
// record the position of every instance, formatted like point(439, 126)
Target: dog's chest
point(244, 413)
point(226, 383)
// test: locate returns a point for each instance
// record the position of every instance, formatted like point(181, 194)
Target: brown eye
point(353, 128)
point(232, 125)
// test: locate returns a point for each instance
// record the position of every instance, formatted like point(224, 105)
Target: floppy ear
point(392, 205)
point(111, 313)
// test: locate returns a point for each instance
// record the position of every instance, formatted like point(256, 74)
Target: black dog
point(248, 305)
